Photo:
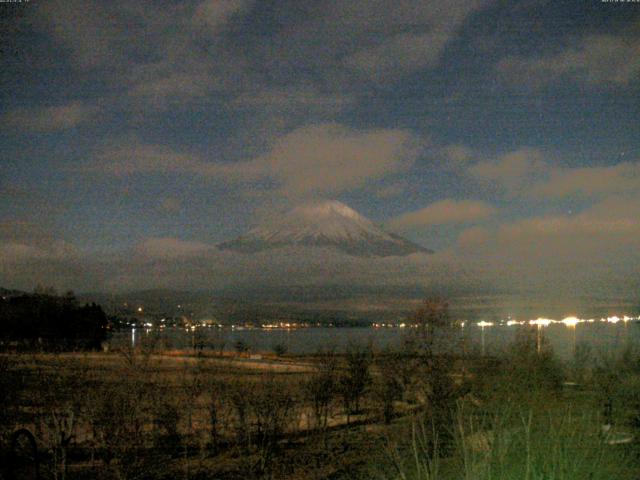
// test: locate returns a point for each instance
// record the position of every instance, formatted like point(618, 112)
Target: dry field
point(150, 414)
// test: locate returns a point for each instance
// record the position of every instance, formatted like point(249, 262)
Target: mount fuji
point(329, 224)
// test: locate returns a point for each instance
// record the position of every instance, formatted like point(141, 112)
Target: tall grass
point(541, 444)
point(516, 421)
point(423, 461)
point(535, 443)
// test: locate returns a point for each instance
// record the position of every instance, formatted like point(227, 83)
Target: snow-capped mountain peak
point(324, 224)
point(327, 209)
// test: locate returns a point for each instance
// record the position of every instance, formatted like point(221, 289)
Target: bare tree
point(272, 410)
point(431, 317)
point(355, 378)
point(320, 389)
point(394, 376)
point(434, 366)
point(263, 410)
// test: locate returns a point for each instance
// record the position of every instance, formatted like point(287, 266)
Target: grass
point(524, 444)
point(516, 424)
point(542, 445)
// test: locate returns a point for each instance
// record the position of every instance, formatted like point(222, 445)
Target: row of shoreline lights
point(568, 321)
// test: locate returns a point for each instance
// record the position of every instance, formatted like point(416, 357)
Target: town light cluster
point(567, 321)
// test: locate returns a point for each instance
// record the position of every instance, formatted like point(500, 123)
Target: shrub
point(279, 349)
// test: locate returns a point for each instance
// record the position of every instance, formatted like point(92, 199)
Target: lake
point(605, 337)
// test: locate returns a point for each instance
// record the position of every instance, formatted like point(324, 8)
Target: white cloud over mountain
point(326, 158)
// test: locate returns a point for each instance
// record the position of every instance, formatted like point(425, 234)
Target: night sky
point(505, 135)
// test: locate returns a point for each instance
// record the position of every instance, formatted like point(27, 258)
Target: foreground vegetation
point(405, 414)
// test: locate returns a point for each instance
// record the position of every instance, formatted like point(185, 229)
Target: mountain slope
point(326, 224)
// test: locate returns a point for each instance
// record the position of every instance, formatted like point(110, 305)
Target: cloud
point(294, 100)
point(604, 234)
point(513, 171)
point(575, 228)
point(216, 14)
point(170, 248)
point(392, 190)
point(159, 84)
point(121, 159)
point(159, 56)
point(179, 264)
point(212, 268)
point(347, 46)
point(325, 158)
point(332, 158)
point(397, 38)
point(37, 231)
point(12, 253)
point(59, 264)
point(592, 252)
point(527, 173)
point(167, 56)
point(589, 181)
point(403, 53)
point(88, 29)
point(444, 212)
point(170, 205)
point(457, 155)
point(472, 237)
point(19, 252)
point(592, 60)
point(23, 241)
point(125, 158)
point(49, 119)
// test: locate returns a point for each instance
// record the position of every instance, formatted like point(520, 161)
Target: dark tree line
point(46, 320)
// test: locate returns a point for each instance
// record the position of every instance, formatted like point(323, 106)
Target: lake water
point(603, 337)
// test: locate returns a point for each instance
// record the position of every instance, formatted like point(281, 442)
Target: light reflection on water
point(606, 337)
